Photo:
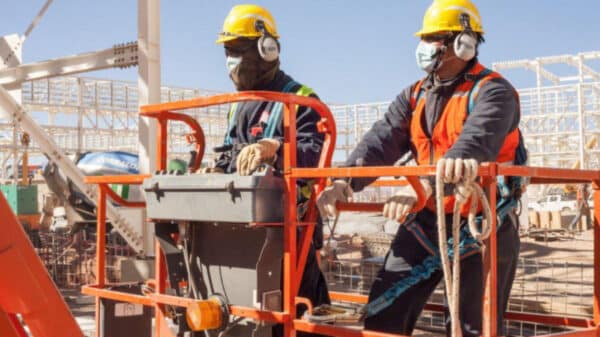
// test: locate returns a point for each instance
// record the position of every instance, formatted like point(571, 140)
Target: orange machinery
point(26, 287)
point(294, 254)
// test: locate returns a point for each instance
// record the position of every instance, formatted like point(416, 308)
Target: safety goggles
point(441, 37)
point(239, 47)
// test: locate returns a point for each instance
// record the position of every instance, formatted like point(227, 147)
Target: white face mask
point(232, 62)
point(426, 54)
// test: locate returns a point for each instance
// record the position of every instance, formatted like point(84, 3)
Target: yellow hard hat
point(241, 22)
point(444, 16)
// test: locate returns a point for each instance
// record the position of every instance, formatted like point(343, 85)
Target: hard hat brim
point(422, 32)
point(225, 38)
point(230, 37)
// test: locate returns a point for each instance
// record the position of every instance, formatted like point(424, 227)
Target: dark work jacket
point(309, 140)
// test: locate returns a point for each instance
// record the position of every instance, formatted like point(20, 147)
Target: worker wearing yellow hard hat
point(251, 44)
point(459, 115)
point(444, 16)
point(241, 23)
point(255, 129)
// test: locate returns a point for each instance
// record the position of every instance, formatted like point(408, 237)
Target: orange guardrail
point(295, 254)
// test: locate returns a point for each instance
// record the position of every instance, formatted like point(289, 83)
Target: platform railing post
point(490, 300)
point(596, 186)
point(160, 326)
point(290, 222)
point(162, 141)
point(100, 248)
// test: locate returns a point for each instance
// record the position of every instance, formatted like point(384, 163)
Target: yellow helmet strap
point(465, 43)
point(268, 47)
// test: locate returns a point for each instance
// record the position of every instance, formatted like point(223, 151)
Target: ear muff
point(465, 43)
point(465, 46)
point(268, 47)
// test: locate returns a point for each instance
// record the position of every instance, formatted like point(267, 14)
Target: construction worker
point(255, 131)
point(463, 114)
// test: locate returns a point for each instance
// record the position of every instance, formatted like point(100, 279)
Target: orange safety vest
point(449, 126)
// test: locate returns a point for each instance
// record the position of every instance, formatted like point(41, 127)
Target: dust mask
point(427, 53)
point(232, 62)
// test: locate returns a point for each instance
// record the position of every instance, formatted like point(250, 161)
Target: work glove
point(399, 205)
point(457, 170)
point(339, 190)
point(461, 172)
point(254, 155)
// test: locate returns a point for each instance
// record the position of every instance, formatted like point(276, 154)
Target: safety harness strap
point(274, 118)
point(421, 272)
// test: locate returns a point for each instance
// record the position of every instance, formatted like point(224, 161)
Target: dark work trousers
point(407, 251)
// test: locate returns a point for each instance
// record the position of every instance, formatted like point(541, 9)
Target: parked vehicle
point(554, 202)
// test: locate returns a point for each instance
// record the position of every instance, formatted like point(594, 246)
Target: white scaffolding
point(558, 120)
point(87, 114)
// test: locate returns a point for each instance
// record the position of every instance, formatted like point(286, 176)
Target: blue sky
point(348, 51)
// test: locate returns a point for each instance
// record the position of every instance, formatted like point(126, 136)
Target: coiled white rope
point(465, 189)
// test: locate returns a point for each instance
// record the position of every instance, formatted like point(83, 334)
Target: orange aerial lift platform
point(26, 289)
point(209, 313)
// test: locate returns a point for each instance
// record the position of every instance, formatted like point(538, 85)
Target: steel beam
point(149, 83)
point(120, 56)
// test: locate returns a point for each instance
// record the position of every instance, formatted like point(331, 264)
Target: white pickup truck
point(554, 202)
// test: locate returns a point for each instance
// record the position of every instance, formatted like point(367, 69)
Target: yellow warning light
point(205, 314)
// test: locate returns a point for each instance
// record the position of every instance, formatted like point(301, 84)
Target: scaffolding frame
point(88, 114)
point(558, 120)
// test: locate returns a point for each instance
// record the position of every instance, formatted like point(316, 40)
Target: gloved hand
point(340, 190)
point(253, 155)
point(399, 205)
point(461, 172)
point(457, 170)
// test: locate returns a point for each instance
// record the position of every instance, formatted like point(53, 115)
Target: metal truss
point(120, 56)
point(558, 120)
point(352, 121)
point(88, 114)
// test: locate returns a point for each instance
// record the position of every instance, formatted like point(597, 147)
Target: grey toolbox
point(240, 262)
point(216, 197)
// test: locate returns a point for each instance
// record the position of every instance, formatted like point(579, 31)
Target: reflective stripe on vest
point(449, 126)
point(422, 271)
point(274, 117)
point(230, 117)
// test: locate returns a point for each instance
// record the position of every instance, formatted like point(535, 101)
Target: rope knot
point(462, 173)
